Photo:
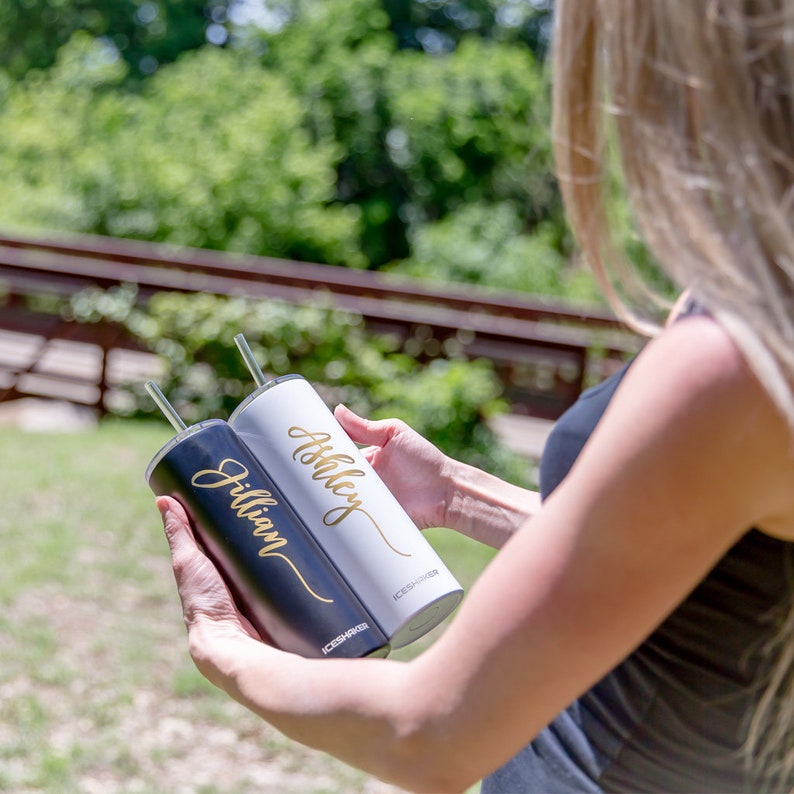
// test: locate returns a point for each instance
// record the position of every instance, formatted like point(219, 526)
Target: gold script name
point(251, 504)
point(334, 470)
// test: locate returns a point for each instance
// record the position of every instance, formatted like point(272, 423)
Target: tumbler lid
point(178, 439)
point(254, 394)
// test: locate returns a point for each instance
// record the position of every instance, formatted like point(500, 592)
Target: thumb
point(191, 566)
point(202, 589)
point(361, 430)
point(177, 528)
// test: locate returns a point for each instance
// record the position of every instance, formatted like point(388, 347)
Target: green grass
point(97, 692)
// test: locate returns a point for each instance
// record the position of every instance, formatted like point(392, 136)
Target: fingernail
point(163, 506)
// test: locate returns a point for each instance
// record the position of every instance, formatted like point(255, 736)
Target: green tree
point(421, 135)
point(485, 244)
point(351, 50)
point(437, 26)
point(234, 168)
point(316, 138)
point(470, 127)
point(54, 160)
point(145, 33)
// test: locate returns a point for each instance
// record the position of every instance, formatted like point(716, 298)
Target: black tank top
point(673, 716)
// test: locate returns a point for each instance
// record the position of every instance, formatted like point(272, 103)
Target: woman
point(634, 631)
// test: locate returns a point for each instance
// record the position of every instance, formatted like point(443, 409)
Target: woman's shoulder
point(695, 363)
point(696, 343)
point(712, 396)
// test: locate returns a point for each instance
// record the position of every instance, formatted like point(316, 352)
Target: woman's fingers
point(177, 530)
point(363, 431)
point(204, 594)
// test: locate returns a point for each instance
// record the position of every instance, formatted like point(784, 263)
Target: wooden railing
point(543, 352)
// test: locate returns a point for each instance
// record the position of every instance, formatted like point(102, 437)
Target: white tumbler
point(360, 525)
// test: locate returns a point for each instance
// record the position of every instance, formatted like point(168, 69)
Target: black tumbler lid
point(178, 439)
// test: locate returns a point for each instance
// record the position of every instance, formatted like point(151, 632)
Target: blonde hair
point(691, 104)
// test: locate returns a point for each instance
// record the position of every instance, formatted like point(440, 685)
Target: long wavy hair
point(688, 105)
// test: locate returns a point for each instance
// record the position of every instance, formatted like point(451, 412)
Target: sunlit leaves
point(233, 167)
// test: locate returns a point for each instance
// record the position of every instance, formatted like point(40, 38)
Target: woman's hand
point(436, 490)
point(414, 470)
point(211, 616)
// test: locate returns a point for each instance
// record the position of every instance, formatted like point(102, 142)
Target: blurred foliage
point(422, 135)
point(318, 132)
point(436, 26)
point(336, 55)
point(50, 178)
point(484, 244)
point(149, 33)
point(236, 170)
point(445, 400)
point(473, 127)
point(144, 33)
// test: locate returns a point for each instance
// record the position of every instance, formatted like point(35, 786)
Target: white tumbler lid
point(271, 384)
